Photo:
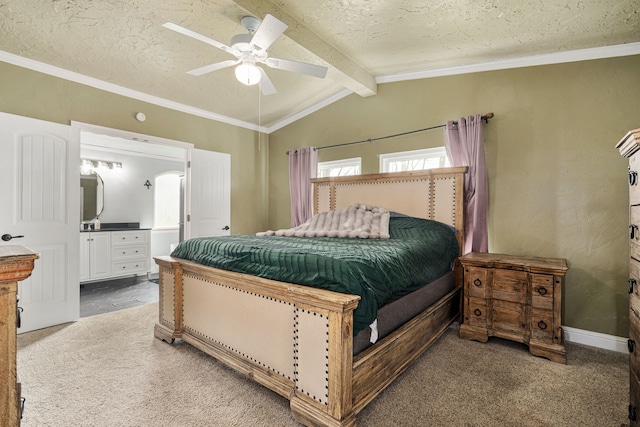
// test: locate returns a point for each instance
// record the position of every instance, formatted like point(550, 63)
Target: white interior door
point(209, 195)
point(40, 199)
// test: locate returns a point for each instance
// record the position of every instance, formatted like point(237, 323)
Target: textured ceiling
point(122, 42)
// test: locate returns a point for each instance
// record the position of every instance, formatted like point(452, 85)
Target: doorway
point(128, 197)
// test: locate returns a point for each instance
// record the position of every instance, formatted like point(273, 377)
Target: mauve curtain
point(465, 147)
point(303, 165)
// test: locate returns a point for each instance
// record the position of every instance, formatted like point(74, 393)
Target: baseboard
point(595, 339)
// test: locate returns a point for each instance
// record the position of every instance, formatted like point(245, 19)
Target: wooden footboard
point(298, 340)
point(295, 340)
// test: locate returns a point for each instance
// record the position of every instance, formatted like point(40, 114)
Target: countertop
point(113, 226)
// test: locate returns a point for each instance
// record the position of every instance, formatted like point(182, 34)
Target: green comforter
point(378, 270)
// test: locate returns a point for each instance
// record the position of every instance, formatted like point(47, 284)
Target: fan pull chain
point(259, 120)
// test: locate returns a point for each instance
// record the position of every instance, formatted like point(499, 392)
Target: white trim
point(595, 339)
point(320, 105)
point(546, 59)
point(118, 133)
point(529, 61)
point(120, 90)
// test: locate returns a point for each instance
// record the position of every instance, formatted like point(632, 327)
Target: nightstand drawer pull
point(633, 177)
point(542, 291)
point(477, 282)
point(631, 345)
point(633, 230)
point(477, 312)
point(632, 283)
point(542, 325)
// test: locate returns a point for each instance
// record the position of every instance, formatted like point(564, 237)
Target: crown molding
point(529, 61)
point(320, 105)
point(51, 70)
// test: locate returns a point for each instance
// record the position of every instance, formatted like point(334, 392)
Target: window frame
point(424, 153)
point(351, 162)
point(179, 175)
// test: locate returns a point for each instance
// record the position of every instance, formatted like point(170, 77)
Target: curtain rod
point(485, 117)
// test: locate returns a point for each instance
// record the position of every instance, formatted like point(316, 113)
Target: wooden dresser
point(16, 264)
point(517, 298)
point(629, 147)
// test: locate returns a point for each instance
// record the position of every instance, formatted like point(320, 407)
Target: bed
point(300, 341)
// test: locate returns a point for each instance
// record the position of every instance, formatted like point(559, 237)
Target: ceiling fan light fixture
point(248, 74)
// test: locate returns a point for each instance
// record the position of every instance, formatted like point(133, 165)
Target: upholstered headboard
point(436, 194)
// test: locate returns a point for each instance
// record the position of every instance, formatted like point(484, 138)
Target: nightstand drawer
point(509, 316)
point(509, 285)
point(476, 282)
point(542, 325)
point(542, 291)
point(476, 313)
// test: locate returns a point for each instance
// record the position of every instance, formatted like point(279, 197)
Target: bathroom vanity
point(116, 250)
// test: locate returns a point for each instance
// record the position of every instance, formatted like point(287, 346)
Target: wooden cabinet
point(112, 254)
point(517, 298)
point(629, 146)
point(16, 264)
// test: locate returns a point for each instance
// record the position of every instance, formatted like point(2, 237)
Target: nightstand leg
point(473, 333)
point(553, 352)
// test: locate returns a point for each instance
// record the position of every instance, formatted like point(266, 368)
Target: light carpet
point(109, 370)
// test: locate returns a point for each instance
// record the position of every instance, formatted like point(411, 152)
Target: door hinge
point(189, 164)
point(188, 217)
point(632, 412)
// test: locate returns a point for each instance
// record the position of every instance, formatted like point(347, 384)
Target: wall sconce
point(147, 184)
point(89, 166)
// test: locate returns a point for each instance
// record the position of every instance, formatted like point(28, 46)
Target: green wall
point(40, 96)
point(557, 183)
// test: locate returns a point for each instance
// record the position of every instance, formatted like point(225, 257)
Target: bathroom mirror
point(91, 196)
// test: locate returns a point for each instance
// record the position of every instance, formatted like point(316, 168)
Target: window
point(429, 158)
point(167, 200)
point(339, 167)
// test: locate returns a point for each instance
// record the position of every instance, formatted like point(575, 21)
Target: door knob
point(7, 237)
point(226, 227)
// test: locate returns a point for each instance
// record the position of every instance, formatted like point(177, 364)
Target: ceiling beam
point(342, 70)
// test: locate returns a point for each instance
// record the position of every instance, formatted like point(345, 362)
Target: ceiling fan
point(251, 49)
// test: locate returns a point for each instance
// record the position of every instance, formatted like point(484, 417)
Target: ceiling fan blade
point(298, 67)
point(185, 31)
point(269, 30)
point(213, 67)
point(266, 87)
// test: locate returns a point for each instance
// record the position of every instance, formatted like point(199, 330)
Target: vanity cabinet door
point(100, 255)
point(85, 273)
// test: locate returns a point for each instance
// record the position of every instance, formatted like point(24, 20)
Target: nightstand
point(516, 298)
